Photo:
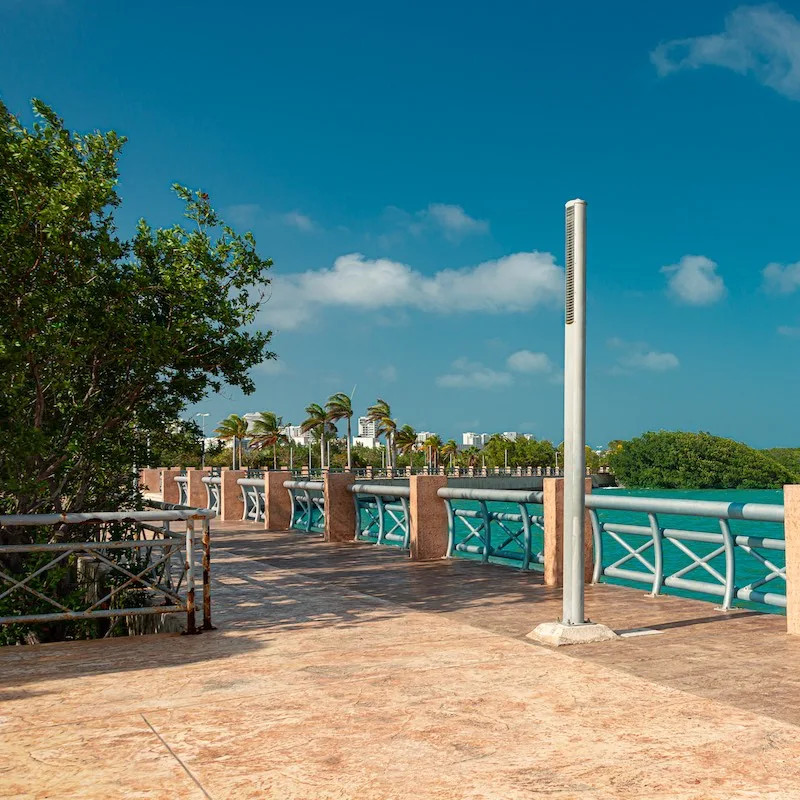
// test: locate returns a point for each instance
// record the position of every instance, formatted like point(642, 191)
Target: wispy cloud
point(248, 215)
point(272, 366)
point(519, 282)
point(694, 281)
point(529, 362)
point(388, 373)
point(780, 278)
point(788, 330)
point(466, 374)
point(449, 220)
point(638, 356)
point(763, 41)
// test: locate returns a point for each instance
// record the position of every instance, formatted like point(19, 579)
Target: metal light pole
point(203, 448)
point(574, 412)
point(574, 627)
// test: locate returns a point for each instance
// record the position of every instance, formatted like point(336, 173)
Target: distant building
point(510, 435)
point(294, 433)
point(474, 439)
point(422, 436)
point(366, 441)
point(250, 419)
point(367, 428)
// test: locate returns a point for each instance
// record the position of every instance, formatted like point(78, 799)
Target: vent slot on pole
point(570, 265)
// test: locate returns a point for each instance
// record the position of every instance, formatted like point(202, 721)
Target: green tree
point(105, 340)
point(316, 424)
point(450, 448)
point(381, 413)
point(340, 406)
point(406, 440)
point(267, 431)
point(234, 430)
point(681, 460)
point(433, 444)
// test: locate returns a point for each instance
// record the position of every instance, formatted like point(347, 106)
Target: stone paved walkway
point(349, 672)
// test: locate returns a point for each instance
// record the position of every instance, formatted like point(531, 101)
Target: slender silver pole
point(574, 412)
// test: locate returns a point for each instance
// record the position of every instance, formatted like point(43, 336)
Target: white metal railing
point(213, 486)
point(308, 505)
point(253, 500)
point(659, 556)
point(143, 562)
point(382, 514)
point(183, 489)
point(494, 534)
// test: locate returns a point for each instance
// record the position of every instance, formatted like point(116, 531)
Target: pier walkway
point(348, 671)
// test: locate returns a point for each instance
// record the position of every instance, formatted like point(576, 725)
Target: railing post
point(231, 505)
point(195, 488)
point(340, 510)
point(207, 626)
point(554, 534)
point(171, 492)
point(428, 524)
point(277, 502)
point(791, 510)
point(191, 627)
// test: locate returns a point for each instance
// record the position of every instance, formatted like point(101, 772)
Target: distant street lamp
point(203, 444)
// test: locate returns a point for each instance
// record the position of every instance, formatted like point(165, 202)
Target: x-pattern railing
point(145, 562)
point(213, 486)
point(701, 561)
point(382, 514)
point(253, 499)
point(308, 505)
point(495, 534)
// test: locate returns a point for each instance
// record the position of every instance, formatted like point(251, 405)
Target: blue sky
point(406, 166)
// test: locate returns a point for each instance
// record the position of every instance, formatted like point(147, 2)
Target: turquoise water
point(748, 568)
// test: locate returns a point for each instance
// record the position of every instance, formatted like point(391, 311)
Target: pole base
point(557, 634)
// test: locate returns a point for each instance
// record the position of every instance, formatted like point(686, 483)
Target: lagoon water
point(748, 568)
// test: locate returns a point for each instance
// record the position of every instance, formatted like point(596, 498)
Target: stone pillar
point(791, 505)
point(230, 494)
point(171, 493)
point(196, 489)
point(369, 473)
point(428, 538)
point(340, 509)
point(149, 480)
point(277, 503)
point(554, 534)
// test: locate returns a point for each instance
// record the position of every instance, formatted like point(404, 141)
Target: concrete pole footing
point(557, 634)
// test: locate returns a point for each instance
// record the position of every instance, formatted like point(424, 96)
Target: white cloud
point(638, 356)
point(388, 373)
point(271, 367)
point(294, 219)
point(780, 279)
point(468, 374)
point(760, 40)
point(450, 220)
point(527, 361)
point(519, 282)
point(788, 330)
point(694, 281)
point(244, 215)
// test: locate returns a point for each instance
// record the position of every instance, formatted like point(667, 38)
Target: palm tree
point(382, 414)
point(340, 406)
point(405, 439)
point(450, 448)
point(434, 446)
point(268, 430)
point(316, 424)
point(234, 428)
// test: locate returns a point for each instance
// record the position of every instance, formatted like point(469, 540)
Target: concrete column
point(791, 505)
point(230, 494)
point(428, 538)
point(198, 497)
point(340, 509)
point(277, 503)
point(149, 480)
point(170, 493)
point(369, 473)
point(554, 534)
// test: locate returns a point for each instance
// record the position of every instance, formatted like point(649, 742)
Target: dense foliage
point(103, 341)
point(788, 456)
point(680, 460)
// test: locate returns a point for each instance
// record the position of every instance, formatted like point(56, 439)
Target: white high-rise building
point(367, 428)
point(294, 433)
point(423, 435)
point(474, 439)
point(511, 435)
